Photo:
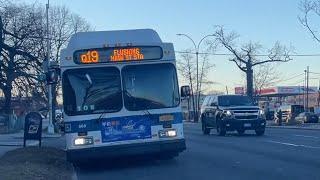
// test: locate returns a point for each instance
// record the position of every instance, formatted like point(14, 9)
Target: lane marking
point(294, 145)
point(314, 137)
point(18, 143)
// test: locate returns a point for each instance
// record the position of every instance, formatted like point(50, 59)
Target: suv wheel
point(260, 132)
point(241, 131)
point(205, 130)
point(221, 130)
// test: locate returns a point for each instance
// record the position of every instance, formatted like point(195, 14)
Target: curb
point(18, 144)
point(43, 136)
point(11, 145)
point(300, 128)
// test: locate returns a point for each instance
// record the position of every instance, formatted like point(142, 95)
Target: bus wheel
point(168, 156)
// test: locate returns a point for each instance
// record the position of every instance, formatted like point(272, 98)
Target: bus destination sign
point(117, 54)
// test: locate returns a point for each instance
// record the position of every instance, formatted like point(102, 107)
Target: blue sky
point(263, 21)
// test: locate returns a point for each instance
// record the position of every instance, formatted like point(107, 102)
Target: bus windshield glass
point(151, 86)
point(234, 101)
point(92, 90)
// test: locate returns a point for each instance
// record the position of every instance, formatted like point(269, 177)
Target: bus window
point(150, 86)
point(92, 90)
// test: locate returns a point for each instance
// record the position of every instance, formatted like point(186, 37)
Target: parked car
point(307, 117)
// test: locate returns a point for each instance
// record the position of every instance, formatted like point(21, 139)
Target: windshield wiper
point(87, 89)
point(145, 111)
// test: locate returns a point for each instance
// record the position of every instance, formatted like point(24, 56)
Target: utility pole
point(50, 126)
point(319, 94)
point(304, 89)
point(307, 104)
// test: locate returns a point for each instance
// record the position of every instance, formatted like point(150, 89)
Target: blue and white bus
point(120, 95)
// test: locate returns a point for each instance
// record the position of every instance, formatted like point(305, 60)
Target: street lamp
point(196, 48)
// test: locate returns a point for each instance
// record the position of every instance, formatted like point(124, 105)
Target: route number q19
point(90, 57)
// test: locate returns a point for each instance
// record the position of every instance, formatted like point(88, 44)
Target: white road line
point(314, 137)
point(295, 145)
point(19, 143)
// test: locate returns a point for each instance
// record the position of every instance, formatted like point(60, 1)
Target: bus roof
point(83, 40)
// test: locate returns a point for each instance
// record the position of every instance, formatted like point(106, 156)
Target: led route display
point(117, 54)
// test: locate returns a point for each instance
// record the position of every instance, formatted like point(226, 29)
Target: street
point(280, 154)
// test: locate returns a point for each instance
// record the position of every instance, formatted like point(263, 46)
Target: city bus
point(120, 96)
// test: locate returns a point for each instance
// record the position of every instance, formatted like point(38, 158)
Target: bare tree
point(23, 45)
point(247, 56)
point(187, 70)
point(265, 75)
point(206, 66)
point(63, 24)
point(18, 24)
point(309, 8)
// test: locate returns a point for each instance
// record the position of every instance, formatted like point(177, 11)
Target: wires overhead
point(261, 55)
point(293, 77)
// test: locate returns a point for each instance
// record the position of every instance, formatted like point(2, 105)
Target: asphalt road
point(280, 154)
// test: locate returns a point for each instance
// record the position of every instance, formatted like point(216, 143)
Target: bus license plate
point(247, 125)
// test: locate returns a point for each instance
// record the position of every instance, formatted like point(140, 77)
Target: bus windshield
point(151, 86)
point(92, 90)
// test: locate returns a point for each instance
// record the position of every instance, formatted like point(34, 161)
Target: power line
point(261, 55)
point(314, 73)
point(290, 78)
point(297, 82)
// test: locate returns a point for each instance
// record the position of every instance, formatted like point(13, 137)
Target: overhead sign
point(117, 54)
point(32, 127)
point(287, 90)
point(239, 90)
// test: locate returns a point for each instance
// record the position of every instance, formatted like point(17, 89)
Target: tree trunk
point(7, 96)
point(249, 74)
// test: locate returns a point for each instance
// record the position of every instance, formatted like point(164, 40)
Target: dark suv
point(230, 113)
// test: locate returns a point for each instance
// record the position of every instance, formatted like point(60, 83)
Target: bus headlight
point(167, 133)
point(83, 141)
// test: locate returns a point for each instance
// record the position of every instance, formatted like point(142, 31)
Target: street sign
point(32, 127)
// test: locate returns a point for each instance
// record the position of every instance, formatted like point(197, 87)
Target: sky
point(263, 21)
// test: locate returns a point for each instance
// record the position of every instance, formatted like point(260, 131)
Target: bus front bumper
point(114, 151)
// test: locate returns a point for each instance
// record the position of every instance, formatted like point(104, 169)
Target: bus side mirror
point(52, 76)
point(185, 91)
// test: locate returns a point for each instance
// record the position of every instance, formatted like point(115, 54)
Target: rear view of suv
point(230, 113)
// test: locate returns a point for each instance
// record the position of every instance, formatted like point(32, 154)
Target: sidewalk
point(13, 141)
point(306, 126)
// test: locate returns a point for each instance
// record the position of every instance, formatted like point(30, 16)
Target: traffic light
point(52, 75)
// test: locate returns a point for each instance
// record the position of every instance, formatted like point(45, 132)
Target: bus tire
point(168, 156)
